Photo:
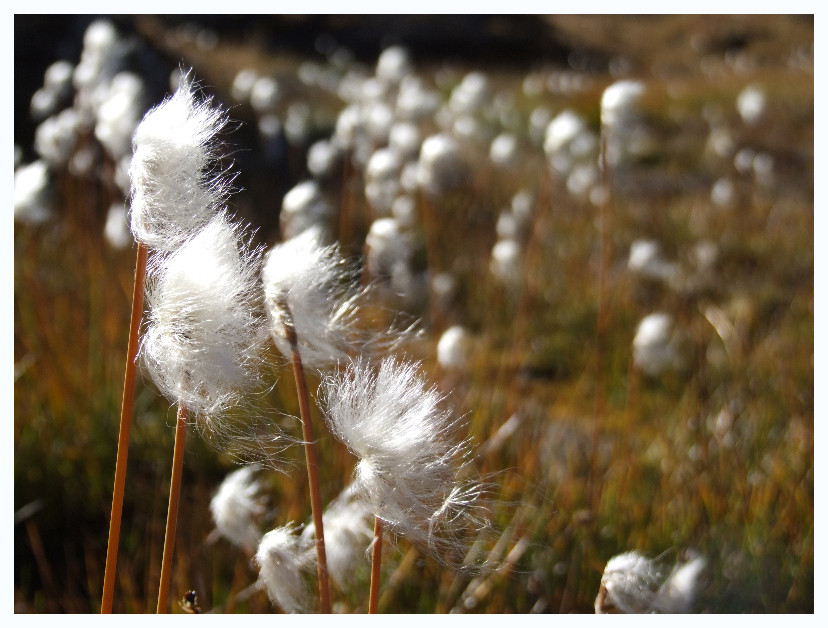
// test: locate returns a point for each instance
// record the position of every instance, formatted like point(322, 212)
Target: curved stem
point(123, 434)
point(313, 476)
point(376, 563)
point(172, 510)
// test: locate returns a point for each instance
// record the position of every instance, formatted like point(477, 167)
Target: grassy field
point(590, 454)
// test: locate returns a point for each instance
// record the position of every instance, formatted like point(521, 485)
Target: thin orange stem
point(313, 475)
point(123, 434)
point(376, 563)
point(172, 510)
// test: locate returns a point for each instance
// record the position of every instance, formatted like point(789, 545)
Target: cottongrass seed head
point(176, 186)
point(285, 560)
point(311, 287)
point(348, 534)
point(409, 462)
point(633, 583)
point(237, 506)
point(206, 330)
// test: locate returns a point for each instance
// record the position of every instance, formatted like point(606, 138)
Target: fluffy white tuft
point(408, 459)
point(237, 505)
point(206, 326)
point(311, 287)
point(176, 188)
point(285, 559)
point(633, 583)
point(348, 535)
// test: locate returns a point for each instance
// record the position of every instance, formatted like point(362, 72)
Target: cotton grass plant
point(175, 188)
point(409, 459)
point(205, 337)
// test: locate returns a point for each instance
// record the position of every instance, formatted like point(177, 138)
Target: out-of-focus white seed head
point(116, 229)
point(243, 84)
point(414, 101)
point(506, 263)
point(647, 261)
point(653, 347)
point(265, 94)
point(470, 94)
point(58, 77)
point(56, 137)
point(403, 437)
point(633, 583)
point(679, 592)
point(298, 123)
point(440, 166)
point(206, 325)
point(348, 533)
point(32, 194)
point(311, 287)
point(285, 559)
point(304, 207)
point(751, 104)
point(382, 180)
point(386, 246)
point(723, 193)
point(237, 506)
point(404, 211)
point(629, 584)
point(175, 187)
point(393, 65)
point(504, 150)
point(568, 141)
point(119, 114)
point(404, 138)
point(620, 102)
point(323, 159)
point(454, 348)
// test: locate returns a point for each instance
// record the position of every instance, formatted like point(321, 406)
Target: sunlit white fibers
point(205, 326)
point(310, 286)
point(176, 188)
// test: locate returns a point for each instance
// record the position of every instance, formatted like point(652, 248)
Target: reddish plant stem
point(313, 470)
point(123, 434)
point(376, 563)
point(172, 510)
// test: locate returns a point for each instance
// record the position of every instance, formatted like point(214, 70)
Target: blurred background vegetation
point(709, 454)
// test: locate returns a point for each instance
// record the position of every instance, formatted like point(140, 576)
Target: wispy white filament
point(408, 458)
point(206, 324)
point(285, 559)
point(311, 287)
point(176, 187)
point(237, 506)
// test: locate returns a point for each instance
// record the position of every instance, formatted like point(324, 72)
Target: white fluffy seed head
point(633, 583)
point(237, 506)
point(311, 287)
point(408, 458)
point(176, 187)
point(285, 558)
point(32, 193)
point(454, 348)
point(348, 533)
point(205, 330)
point(653, 346)
point(629, 584)
point(304, 207)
